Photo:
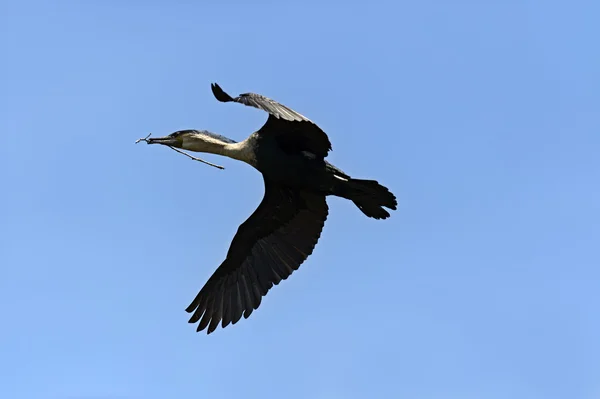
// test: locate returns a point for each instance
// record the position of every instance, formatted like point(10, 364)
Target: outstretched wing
point(293, 131)
point(273, 242)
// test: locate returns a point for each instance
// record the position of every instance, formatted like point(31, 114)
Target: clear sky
point(481, 116)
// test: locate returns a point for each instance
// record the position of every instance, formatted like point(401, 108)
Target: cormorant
point(289, 150)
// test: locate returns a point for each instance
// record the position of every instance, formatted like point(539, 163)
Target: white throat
point(242, 151)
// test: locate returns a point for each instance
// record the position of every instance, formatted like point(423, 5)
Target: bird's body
point(301, 170)
point(289, 151)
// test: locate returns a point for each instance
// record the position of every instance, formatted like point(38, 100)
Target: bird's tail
point(370, 197)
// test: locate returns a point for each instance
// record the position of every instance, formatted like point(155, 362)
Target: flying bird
point(289, 150)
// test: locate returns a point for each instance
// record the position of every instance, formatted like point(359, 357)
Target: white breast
point(243, 151)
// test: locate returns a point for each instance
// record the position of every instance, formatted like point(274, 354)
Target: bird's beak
point(171, 141)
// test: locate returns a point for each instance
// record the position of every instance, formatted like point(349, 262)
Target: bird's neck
point(242, 151)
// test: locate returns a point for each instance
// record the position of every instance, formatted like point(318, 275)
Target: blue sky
point(482, 117)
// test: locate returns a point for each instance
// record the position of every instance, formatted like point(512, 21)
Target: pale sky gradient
point(482, 116)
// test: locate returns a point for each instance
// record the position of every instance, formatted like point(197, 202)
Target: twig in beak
point(144, 139)
point(181, 152)
point(196, 159)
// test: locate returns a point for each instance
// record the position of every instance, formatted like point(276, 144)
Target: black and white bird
point(289, 150)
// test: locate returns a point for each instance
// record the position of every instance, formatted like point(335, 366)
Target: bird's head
point(192, 140)
point(176, 139)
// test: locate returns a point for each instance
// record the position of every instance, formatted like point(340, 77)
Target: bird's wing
point(293, 131)
point(273, 242)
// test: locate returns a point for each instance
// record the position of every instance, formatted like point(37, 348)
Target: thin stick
point(181, 152)
point(196, 159)
point(144, 139)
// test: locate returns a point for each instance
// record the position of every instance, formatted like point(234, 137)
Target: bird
point(289, 150)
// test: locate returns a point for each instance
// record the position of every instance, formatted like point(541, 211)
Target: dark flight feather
point(273, 242)
point(293, 131)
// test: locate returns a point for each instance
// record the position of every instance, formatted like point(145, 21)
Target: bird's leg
point(196, 159)
point(181, 152)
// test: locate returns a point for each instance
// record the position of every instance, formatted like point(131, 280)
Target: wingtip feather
point(219, 93)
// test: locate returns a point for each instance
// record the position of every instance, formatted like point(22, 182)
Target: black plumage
point(266, 249)
point(293, 131)
point(289, 150)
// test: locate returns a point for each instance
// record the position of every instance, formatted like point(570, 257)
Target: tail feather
point(370, 197)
